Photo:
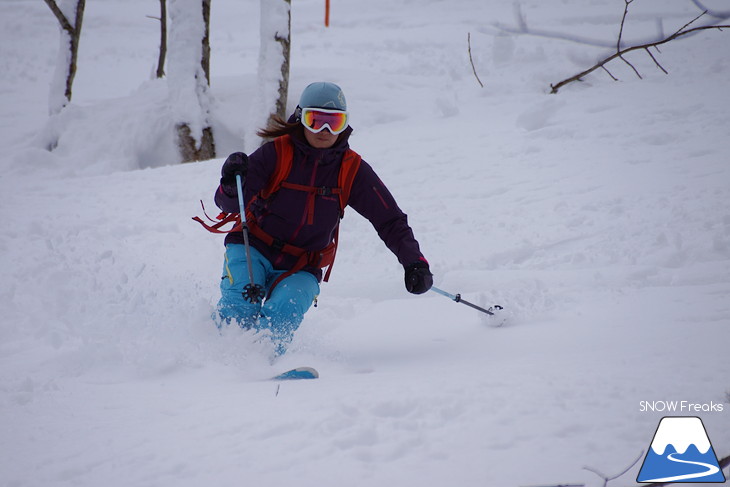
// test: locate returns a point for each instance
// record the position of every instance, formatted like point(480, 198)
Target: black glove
point(418, 277)
point(236, 163)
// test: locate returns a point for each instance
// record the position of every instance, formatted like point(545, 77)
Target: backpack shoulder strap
point(284, 158)
point(348, 171)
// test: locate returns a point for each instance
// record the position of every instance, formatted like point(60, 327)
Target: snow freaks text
point(679, 407)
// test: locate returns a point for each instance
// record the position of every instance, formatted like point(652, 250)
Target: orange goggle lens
point(317, 119)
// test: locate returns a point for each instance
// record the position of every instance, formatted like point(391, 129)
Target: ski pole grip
point(443, 293)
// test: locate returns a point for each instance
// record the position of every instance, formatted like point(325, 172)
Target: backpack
point(284, 160)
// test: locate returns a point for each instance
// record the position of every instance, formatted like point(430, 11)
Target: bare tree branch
point(620, 34)
point(471, 60)
point(623, 21)
point(60, 16)
point(609, 73)
point(600, 64)
point(608, 478)
point(724, 463)
point(689, 23)
point(74, 34)
point(655, 61)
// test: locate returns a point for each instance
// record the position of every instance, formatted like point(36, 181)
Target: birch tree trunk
point(282, 37)
point(274, 54)
point(63, 78)
point(188, 77)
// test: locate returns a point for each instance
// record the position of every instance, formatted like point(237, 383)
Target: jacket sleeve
point(261, 164)
point(372, 199)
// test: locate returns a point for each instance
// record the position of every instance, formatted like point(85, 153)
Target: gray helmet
point(323, 95)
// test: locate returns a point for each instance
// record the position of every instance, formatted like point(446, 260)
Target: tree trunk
point(163, 40)
point(189, 78)
point(70, 35)
point(205, 59)
point(274, 55)
point(284, 39)
point(189, 149)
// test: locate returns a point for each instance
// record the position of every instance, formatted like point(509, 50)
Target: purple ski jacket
point(285, 214)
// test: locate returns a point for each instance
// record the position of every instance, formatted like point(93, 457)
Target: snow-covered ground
point(598, 217)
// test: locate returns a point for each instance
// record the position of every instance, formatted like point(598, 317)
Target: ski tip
point(300, 373)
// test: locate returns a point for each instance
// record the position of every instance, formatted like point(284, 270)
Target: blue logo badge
point(680, 452)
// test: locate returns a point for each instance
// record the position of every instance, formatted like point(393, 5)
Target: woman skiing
point(295, 191)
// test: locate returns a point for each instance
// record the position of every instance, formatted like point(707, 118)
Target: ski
point(297, 374)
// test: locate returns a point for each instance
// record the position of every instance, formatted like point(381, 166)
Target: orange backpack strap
point(284, 158)
point(348, 171)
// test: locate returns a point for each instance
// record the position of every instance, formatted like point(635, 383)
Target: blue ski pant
point(281, 313)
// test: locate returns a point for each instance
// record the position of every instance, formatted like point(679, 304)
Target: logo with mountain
point(681, 452)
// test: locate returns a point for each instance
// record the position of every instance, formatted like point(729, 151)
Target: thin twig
point(609, 73)
point(471, 60)
point(620, 34)
point(623, 21)
point(60, 16)
point(608, 478)
point(690, 23)
point(655, 61)
point(636, 71)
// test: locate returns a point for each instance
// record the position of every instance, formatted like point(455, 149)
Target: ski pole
point(457, 298)
point(252, 292)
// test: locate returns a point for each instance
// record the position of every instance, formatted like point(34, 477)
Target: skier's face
point(321, 140)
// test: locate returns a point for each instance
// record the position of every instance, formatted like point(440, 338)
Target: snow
point(598, 217)
point(690, 430)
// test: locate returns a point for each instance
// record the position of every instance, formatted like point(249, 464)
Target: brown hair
point(278, 127)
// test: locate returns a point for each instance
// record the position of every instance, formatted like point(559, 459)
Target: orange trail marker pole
point(326, 13)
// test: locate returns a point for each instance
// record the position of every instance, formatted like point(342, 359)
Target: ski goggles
point(317, 119)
